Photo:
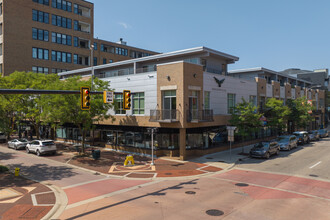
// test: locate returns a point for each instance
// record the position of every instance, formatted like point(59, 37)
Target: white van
point(3, 137)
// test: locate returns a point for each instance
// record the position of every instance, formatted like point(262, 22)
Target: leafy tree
point(246, 118)
point(69, 106)
point(300, 112)
point(277, 114)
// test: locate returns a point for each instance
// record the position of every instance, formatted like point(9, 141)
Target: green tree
point(300, 111)
point(277, 114)
point(246, 118)
point(69, 106)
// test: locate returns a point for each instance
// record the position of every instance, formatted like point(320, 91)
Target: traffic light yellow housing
point(126, 100)
point(85, 98)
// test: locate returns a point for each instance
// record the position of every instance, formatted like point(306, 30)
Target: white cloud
point(125, 25)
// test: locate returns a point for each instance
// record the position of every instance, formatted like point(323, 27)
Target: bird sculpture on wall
point(219, 81)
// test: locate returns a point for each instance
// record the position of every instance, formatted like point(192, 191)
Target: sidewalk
point(21, 198)
point(225, 159)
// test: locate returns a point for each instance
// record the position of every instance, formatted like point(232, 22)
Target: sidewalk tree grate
point(214, 212)
point(190, 192)
point(242, 184)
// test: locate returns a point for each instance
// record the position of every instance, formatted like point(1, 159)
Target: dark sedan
point(287, 142)
point(265, 149)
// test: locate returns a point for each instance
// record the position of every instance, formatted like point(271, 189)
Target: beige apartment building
point(52, 36)
point(188, 95)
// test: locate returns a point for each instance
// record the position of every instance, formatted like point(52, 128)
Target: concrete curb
point(60, 204)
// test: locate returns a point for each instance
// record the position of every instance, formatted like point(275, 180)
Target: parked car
point(3, 137)
point(18, 143)
point(287, 142)
point(265, 149)
point(323, 133)
point(41, 147)
point(302, 137)
point(314, 135)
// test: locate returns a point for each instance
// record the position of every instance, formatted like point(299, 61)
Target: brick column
point(182, 139)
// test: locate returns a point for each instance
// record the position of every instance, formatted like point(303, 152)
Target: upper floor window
point(95, 46)
point(206, 100)
point(63, 57)
point(61, 21)
point(231, 103)
point(38, 69)
point(39, 53)
point(39, 34)
point(119, 104)
point(43, 2)
point(104, 61)
point(138, 103)
point(40, 16)
point(61, 39)
point(62, 4)
point(95, 61)
point(121, 51)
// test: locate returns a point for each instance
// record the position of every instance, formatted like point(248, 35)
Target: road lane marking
point(315, 165)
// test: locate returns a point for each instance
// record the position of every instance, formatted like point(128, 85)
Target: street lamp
point(92, 64)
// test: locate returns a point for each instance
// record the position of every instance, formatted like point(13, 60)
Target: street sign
point(107, 97)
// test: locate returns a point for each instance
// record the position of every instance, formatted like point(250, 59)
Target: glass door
point(169, 105)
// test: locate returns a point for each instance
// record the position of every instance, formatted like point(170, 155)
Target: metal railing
point(164, 115)
point(146, 69)
point(200, 115)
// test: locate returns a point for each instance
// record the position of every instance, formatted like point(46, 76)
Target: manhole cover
point(313, 175)
point(214, 212)
point(209, 158)
point(191, 192)
point(242, 184)
point(168, 173)
point(156, 202)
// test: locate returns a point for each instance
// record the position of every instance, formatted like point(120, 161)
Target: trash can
point(96, 154)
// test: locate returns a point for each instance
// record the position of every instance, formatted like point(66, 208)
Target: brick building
point(52, 36)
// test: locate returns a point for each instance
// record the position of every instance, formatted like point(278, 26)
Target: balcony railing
point(164, 115)
point(200, 115)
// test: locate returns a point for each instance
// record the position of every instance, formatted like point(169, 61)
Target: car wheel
point(278, 151)
point(38, 153)
point(267, 155)
point(290, 148)
point(27, 150)
point(54, 153)
point(15, 147)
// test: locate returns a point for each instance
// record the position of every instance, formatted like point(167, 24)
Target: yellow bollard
point(129, 160)
point(17, 171)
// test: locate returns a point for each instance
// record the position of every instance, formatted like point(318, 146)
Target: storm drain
point(190, 192)
point(209, 158)
point(214, 212)
point(168, 173)
point(313, 175)
point(241, 184)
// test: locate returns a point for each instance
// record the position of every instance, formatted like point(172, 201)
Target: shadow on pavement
point(43, 172)
point(6, 156)
point(160, 192)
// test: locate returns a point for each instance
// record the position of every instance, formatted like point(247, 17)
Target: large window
point(39, 53)
point(61, 21)
point(253, 100)
point(62, 4)
point(39, 34)
point(38, 69)
point(61, 39)
point(63, 57)
point(206, 100)
point(231, 102)
point(40, 16)
point(121, 51)
point(119, 104)
point(138, 103)
point(43, 2)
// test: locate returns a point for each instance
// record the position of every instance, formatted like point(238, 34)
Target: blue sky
point(277, 34)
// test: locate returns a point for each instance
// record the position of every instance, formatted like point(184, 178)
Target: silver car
point(18, 143)
point(41, 147)
point(287, 142)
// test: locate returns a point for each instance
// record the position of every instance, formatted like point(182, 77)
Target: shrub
point(3, 169)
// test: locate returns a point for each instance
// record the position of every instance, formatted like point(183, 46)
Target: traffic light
point(127, 100)
point(85, 98)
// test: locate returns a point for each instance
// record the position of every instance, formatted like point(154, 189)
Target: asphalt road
point(309, 160)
